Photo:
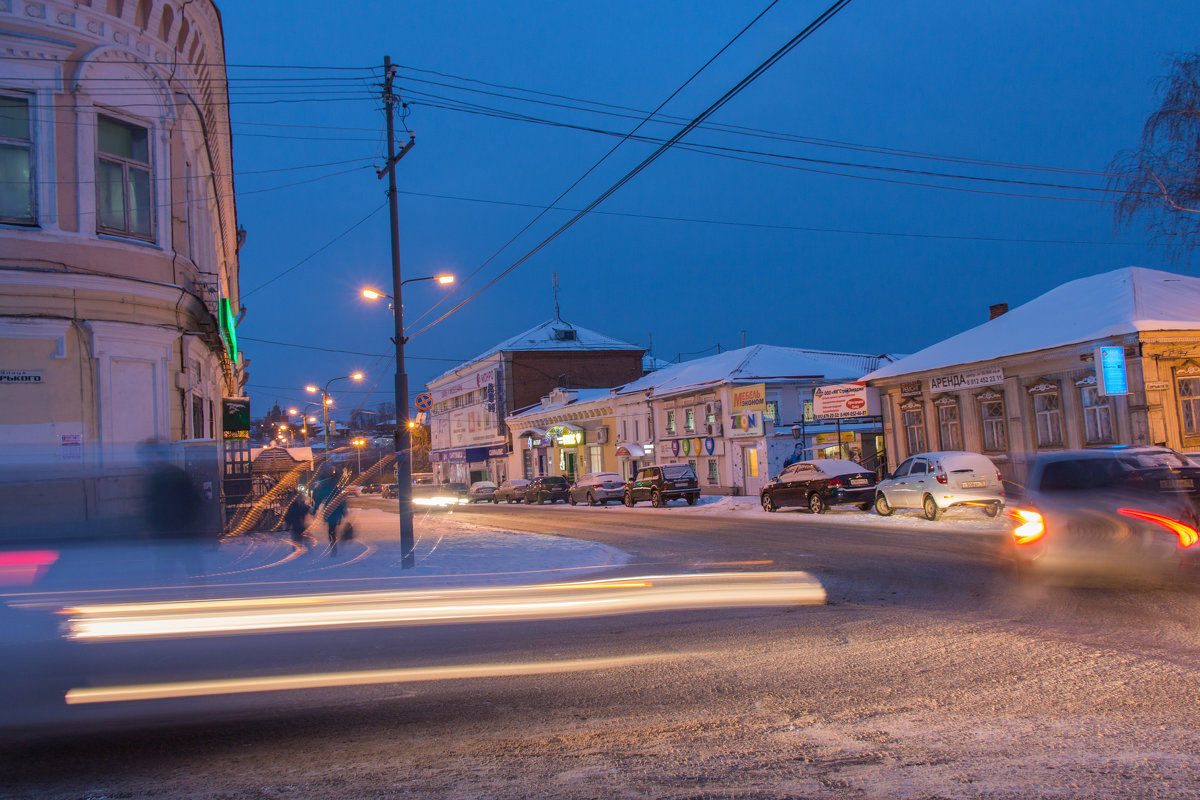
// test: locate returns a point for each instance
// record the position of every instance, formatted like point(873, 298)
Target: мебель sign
point(966, 379)
point(20, 376)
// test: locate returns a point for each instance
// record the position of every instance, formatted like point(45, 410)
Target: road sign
point(424, 401)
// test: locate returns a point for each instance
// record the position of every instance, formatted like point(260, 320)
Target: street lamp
point(403, 436)
point(327, 401)
point(358, 446)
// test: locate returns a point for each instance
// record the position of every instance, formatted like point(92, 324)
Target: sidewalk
point(447, 552)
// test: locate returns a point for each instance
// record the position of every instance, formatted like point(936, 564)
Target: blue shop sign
point(469, 454)
point(1110, 370)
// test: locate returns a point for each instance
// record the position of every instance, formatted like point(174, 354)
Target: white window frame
point(993, 429)
point(1048, 420)
point(1097, 416)
point(29, 145)
point(127, 164)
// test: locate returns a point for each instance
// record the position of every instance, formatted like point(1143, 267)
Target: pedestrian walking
point(335, 511)
point(296, 517)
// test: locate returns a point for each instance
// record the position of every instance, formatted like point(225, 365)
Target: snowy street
point(929, 672)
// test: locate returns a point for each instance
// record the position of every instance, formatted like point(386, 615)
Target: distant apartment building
point(469, 438)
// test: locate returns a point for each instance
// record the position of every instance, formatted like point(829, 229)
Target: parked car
point(1097, 514)
point(551, 487)
point(389, 491)
point(597, 488)
point(511, 491)
point(481, 491)
point(459, 491)
point(662, 483)
point(371, 488)
point(819, 484)
point(934, 482)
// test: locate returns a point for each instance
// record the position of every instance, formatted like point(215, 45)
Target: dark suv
point(552, 487)
point(659, 484)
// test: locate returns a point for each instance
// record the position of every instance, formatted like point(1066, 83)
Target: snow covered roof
point(552, 335)
point(754, 364)
point(1114, 303)
point(580, 397)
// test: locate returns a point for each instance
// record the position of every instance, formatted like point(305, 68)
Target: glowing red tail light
point(836, 483)
point(1188, 535)
point(1031, 526)
point(941, 478)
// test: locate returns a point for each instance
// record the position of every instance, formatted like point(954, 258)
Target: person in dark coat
point(173, 513)
point(335, 511)
point(296, 517)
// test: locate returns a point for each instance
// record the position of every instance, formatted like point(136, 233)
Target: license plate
point(681, 484)
point(858, 481)
point(972, 484)
point(1176, 484)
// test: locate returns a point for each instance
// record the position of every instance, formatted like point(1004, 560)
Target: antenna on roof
point(557, 316)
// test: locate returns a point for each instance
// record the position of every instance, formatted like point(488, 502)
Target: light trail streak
point(113, 622)
point(325, 680)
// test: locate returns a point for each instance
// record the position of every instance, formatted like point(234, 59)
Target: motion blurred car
point(819, 484)
point(934, 482)
point(551, 488)
point(459, 491)
point(1161, 469)
point(662, 483)
point(511, 491)
point(1091, 514)
point(481, 491)
point(597, 488)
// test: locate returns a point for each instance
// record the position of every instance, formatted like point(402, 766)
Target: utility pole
point(403, 436)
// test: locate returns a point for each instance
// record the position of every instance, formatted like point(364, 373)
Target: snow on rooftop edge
point(1122, 301)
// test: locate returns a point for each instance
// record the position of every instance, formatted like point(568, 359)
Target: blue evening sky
point(818, 248)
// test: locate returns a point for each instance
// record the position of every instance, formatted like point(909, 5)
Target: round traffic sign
point(424, 401)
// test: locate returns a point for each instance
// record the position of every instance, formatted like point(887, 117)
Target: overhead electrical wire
point(546, 209)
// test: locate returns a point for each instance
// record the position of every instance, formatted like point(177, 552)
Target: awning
point(533, 433)
point(630, 451)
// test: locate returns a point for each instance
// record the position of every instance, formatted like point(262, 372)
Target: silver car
point(934, 482)
point(597, 488)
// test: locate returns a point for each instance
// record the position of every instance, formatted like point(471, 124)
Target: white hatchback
point(934, 482)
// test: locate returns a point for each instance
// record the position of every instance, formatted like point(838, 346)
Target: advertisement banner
point(748, 398)
point(845, 401)
point(235, 417)
point(966, 379)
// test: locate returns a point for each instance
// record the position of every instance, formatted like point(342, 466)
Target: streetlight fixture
point(358, 446)
point(328, 401)
point(403, 435)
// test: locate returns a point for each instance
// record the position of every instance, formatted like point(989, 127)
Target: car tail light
point(836, 483)
point(1030, 527)
point(941, 476)
point(999, 478)
point(1186, 533)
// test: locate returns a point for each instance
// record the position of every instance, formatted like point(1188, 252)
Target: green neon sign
point(228, 325)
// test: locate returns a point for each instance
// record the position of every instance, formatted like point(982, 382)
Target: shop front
point(470, 464)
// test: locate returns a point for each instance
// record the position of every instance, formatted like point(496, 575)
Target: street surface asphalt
point(928, 672)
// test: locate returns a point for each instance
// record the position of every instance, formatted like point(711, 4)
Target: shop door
point(752, 482)
point(571, 466)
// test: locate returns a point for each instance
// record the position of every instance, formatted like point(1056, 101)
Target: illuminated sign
point(1110, 371)
point(565, 437)
point(748, 398)
point(228, 324)
point(845, 400)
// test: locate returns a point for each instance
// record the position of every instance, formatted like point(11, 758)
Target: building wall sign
point(21, 376)
point(845, 400)
point(967, 379)
point(910, 389)
point(1110, 371)
point(1157, 386)
point(565, 437)
point(747, 404)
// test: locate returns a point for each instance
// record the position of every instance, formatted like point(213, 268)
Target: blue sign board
point(1110, 371)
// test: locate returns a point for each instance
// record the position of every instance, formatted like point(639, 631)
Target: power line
point(346, 352)
point(729, 95)
point(545, 210)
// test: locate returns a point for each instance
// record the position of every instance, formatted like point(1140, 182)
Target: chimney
point(997, 309)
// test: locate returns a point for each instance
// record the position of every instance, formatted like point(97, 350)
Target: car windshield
point(606, 477)
point(1156, 459)
point(676, 471)
point(555, 480)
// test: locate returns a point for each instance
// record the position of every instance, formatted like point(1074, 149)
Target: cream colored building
point(569, 433)
point(118, 231)
point(1027, 381)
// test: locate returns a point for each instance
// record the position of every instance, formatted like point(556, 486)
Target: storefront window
point(712, 472)
point(1097, 416)
point(949, 429)
point(991, 416)
point(772, 412)
point(1189, 405)
point(595, 460)
point(1049, 419)
point(670, 422)
point(690, 420)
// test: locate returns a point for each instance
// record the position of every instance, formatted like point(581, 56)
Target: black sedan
point(552, 488)
point(819, 484)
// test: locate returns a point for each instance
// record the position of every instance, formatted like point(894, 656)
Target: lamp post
point(403, 436)
point(325, 401)
point(358, 446)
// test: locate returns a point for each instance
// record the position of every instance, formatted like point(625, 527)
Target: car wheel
point(541, 500)
point(768, 503)
point(571, 499)
point(656, 500)
point(691, 498)
point(815, 504)
point(495, 501)
point(591, 499)
point(991, 509)
point(932, 511)
point(629, 502)
point(882, 508)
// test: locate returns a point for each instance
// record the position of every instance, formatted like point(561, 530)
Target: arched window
point(168, 19)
